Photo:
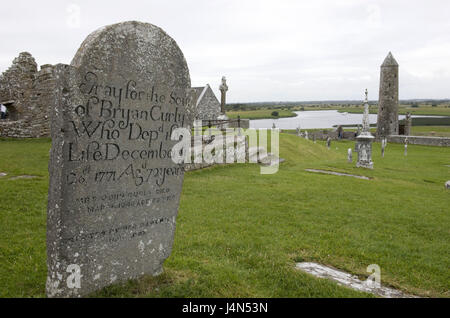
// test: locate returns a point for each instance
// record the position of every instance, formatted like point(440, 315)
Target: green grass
point(438, 131)
point(260, 114)
point(421, 110)
point(240, 233)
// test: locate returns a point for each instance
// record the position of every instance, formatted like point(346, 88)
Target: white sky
point(269, 50)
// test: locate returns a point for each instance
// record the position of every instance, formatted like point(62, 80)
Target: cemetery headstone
point(406, 146)
point(350, 155)
point(114, 189)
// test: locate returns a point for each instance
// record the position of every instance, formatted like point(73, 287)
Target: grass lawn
point(438, 131)
point(260, 114)
point(239, 233)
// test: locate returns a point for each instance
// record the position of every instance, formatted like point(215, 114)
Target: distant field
point(421, 110)
point(438, 131)
point(260, 114)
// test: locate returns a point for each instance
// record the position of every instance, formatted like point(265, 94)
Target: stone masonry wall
point(208, 107)
point(420, 140)
point(26, 92)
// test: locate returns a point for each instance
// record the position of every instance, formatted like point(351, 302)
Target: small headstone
point(328, 142)
point(114, 189)
point(447, 185)
point(406, 146)
point(350, 155)
point(306, 135)
point(383, 146)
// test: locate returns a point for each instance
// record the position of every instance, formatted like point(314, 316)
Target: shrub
point(275, 114)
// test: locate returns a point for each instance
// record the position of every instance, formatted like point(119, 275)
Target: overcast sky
point(268, 50)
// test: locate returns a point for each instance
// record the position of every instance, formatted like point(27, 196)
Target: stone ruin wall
point(209, 107)
point(26, 92)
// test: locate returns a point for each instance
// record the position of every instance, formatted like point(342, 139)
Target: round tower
point(387, 121)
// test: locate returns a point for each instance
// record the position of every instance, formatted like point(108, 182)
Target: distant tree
point(275, 114)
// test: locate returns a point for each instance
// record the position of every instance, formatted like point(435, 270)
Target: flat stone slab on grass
point(348, 280)
point(2, 174)
point(337, 173)
point(23, 177)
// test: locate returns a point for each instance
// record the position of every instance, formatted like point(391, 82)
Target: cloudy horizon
point(269, 51)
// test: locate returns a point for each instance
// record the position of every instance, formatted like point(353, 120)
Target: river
point(317, 119)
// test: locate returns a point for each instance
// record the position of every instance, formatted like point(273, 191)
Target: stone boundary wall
point(420, 140)
point(234, 144)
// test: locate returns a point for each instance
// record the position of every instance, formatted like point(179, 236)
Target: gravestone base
point(364, 151)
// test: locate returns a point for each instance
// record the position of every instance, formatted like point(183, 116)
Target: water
point(317, 119)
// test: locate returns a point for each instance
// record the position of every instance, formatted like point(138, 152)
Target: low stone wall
point(23, 129)
point(420, 140)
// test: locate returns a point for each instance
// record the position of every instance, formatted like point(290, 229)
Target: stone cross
point(365, 139)
point(223, 90)
point(408, 124)
point(114, 189)
point(366, 123)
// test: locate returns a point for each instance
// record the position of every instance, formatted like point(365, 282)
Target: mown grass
point(239, 233)
point(260, 114)
point(438, 131)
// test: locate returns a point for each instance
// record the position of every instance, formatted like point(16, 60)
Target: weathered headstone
point(406, 146)
point(114, 189)
point(328, 142)
point(350, 155)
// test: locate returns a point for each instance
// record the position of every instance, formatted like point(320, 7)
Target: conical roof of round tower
point(389, 60)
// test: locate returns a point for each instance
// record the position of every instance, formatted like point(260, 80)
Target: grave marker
point(114, 189)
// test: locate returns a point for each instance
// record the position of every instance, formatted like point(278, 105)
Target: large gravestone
point(114, 190)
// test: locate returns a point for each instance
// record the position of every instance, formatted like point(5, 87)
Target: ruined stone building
point(387, 121)
point(208, 106)
point(27, 93)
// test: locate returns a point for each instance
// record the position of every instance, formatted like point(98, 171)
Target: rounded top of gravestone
point(134, 50)
point(389, 61)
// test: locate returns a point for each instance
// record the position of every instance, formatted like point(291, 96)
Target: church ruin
point(26, 92)
point(208, 106)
